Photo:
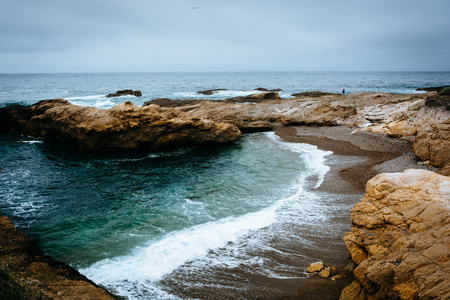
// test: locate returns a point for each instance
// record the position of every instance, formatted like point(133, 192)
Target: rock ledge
point(400, 238)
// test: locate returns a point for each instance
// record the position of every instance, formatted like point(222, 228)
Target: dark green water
point(136, 218)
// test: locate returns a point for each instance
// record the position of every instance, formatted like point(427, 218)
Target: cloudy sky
point(216, 35)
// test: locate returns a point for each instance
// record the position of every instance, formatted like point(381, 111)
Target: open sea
point(169, 224)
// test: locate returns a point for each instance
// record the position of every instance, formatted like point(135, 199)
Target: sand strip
point(366, 155)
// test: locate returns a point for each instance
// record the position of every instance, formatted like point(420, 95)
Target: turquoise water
point(160, 225)
point(130, 220)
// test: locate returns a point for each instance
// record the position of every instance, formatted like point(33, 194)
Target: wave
point(98, 101)
point(222, 94)
point(141, 270)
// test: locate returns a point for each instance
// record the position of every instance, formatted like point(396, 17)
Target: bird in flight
point(195, 7)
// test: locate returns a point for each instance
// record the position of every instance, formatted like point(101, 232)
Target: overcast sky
point(218, 35)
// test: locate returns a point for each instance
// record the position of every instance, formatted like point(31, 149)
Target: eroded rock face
point(122, 128)
point(433, 145)
point(400, 238)
point(41, 276)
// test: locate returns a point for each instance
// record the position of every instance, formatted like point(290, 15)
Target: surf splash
point(223, 242)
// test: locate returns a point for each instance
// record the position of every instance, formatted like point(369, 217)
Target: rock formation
point(122, 128)
point(433, 145)
point(210, 92)
point(400, 238)
point(40, 276)
point(255, 97)
point(136, 93)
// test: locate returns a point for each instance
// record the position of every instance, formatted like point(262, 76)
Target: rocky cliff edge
point(400, 238)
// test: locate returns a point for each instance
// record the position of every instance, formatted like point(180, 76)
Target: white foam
point(31, 142)
point(313, 157)
point(98, 101)
point(161, 257)
point(140, 271)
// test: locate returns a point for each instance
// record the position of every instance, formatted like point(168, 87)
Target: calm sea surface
point(149, 225)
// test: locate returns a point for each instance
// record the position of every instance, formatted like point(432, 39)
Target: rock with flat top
point(125, 127)
point(400, 238)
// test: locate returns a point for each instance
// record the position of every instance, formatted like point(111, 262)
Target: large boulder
point(40, 276)
point(121, 128)
point(400, 238)
point(433, 145)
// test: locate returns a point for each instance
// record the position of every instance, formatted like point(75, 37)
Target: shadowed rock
point(124, 127)
point(136, 93)
point(41, 276)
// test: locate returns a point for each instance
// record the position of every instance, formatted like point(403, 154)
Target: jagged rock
point(323, 114)
point(210, 92)
point(313, 94)
point(166, 102)
point(315, 267)
point(260, 89)
point(432, 89)
point(255, 97)
point(433, 145)
point(41, 276)
point(136, 93)
point(400, 238)
point(122, 128)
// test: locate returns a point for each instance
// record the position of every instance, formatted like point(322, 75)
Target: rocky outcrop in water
point(400, 238)
point(39, 276)
point(124, 127)
point(136, 93)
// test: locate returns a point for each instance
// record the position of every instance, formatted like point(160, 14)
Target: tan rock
point(125, 127)
point(406, 252)
point(325, 273)
point(315, 267)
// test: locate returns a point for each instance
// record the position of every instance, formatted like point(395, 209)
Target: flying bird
point(195, 7)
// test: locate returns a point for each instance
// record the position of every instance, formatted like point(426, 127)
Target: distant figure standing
point(343, 92)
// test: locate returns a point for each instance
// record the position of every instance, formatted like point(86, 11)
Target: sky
point(216, 35)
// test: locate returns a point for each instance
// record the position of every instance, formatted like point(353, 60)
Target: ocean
point(169, 224)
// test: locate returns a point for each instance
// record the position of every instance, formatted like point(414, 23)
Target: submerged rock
point(124, 127)
point(400, 238)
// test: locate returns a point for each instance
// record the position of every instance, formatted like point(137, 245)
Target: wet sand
point(374, 154)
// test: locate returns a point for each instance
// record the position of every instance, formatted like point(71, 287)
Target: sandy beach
point(374, 154)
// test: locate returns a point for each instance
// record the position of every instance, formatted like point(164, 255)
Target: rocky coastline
point(397, 250)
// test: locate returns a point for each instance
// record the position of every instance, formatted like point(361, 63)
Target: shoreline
point(368, 155)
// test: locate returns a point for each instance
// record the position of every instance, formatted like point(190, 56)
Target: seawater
point(128, 221)
point(91, 89)
point(158, 225)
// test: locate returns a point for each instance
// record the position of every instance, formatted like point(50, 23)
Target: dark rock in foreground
point(136, 93)
point(39, 276)
point(433, 89)
point(124, 127)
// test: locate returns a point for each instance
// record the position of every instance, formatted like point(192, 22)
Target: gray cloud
point(170, 35)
